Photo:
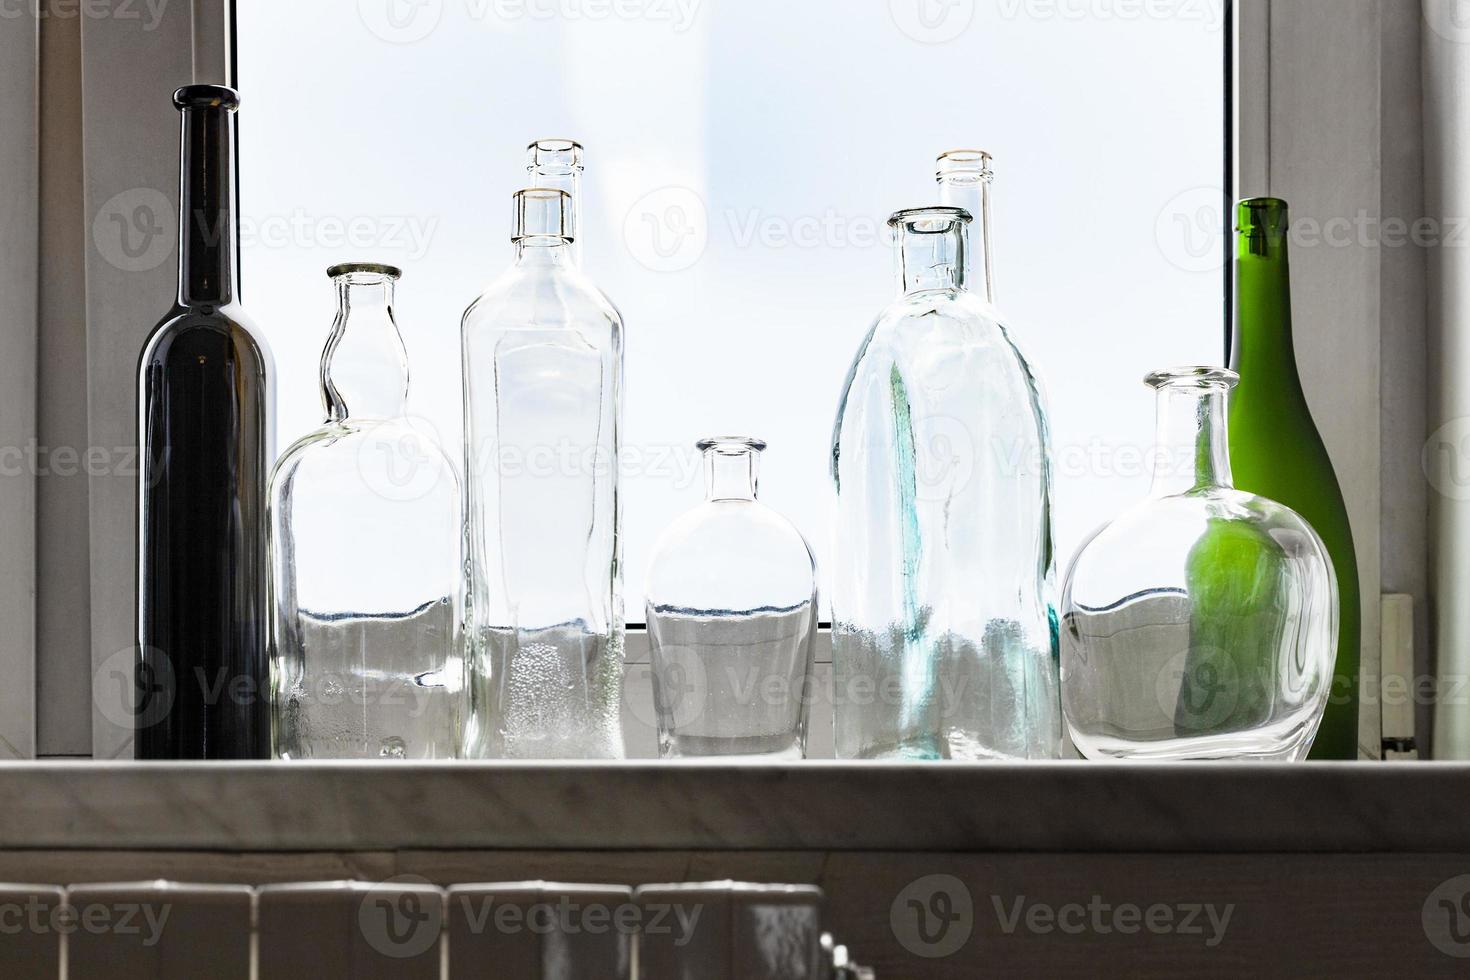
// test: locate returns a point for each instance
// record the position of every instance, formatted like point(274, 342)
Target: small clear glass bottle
point(365, 545)
point(1202, 623)
point(543, 366)
point(732, 619)
point(944, 632)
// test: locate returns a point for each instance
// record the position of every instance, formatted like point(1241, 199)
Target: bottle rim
point(371, 268)
point(935, 219)
point(733, 444)
point(206, 97)
point(967, 166)
point(1193, 377)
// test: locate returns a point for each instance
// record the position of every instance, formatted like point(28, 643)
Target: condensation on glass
point(365, 545)
point(944, 634)
point(1202, 623)
point(732, 619)
point(543, 364)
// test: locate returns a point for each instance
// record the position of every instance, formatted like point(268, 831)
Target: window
point(743, 156)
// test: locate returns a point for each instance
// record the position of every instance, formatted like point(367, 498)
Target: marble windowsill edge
point(817, 806)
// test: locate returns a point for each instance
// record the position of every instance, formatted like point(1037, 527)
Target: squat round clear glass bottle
point(732, 619)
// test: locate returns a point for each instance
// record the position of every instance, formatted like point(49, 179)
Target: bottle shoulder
point(369, 451)
point(184, 326)
point(540, 298)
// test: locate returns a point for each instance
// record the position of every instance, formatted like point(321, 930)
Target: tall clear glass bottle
point(204, 430)
point(944, 633)
point(543, 367)
point(1278, 451)
point(365, 539)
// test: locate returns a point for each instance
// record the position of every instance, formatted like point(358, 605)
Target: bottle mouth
point(965, 166)
point(930, 220)
point(207, 97)
point(366, 270)
point(1193, 378)
point(561, 155)
point(1255, 215)
point(731, 444)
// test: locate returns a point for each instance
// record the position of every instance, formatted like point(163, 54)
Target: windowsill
point(814, 806)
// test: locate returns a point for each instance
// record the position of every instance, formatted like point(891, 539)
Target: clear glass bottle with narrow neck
point(1202, 623)
point(944, 624)
point(205, 421)
point(1277, 448)
point(365, 548)
point(732, 619)
point(543, 365)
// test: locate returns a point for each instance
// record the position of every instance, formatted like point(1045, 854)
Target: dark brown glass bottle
point(204, 428)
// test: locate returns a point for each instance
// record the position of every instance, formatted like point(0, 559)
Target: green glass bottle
point(1275, 447)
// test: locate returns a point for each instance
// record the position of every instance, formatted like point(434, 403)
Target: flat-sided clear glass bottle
point(365, 553)
point(944, 633)
point(732, 619)
point(543, 362)
point(1202, 623)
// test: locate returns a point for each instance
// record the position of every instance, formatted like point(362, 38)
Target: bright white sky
point(742, 158)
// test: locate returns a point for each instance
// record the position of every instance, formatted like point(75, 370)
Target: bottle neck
point(731, 472)
point(1261, 348)
point(545, 251)
point(932, 256)
point(1193, 447)
point(971, 191)
point(207, 202)
point(557, 166)
point(364, 365)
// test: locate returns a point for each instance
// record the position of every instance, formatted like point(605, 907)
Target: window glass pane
point(742, 158)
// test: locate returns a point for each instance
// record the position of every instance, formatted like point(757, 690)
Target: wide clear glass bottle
point(205, 423)
point(365, 546)
point(732, 619)
point(1202, 623)
point(543, 366)
point(944, 624)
